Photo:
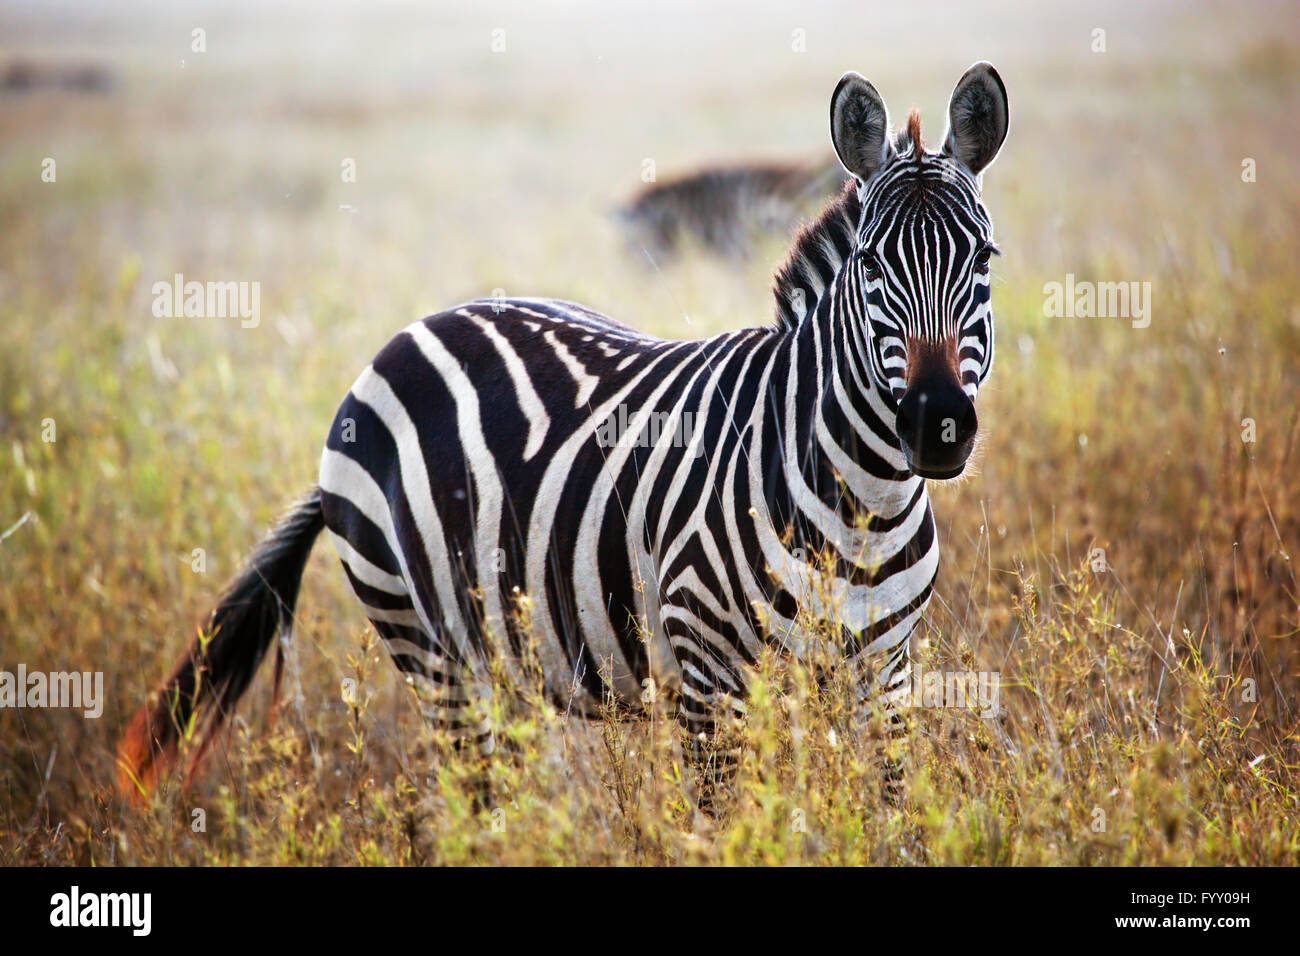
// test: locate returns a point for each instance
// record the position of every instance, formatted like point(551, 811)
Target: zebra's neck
point(841, 467)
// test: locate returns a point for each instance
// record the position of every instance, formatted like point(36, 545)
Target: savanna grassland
point(1118, 554)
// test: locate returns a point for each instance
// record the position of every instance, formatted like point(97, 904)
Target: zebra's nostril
point(936, 424)
point(969, 424)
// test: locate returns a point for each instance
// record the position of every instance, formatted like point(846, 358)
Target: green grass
point(1159, 696)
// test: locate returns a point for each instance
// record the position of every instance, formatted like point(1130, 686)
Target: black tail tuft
point(216, 671)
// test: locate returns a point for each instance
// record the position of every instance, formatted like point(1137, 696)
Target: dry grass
point(1158, 697)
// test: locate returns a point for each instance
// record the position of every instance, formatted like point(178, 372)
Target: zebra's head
point(919, 273)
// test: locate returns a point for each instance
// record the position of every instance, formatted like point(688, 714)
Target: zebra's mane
point(820, 247)
point(908, 144)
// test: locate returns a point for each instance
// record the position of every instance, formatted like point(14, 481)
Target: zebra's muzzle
point(936, 426)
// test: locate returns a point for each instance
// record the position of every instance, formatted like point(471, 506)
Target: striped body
point(462, 493)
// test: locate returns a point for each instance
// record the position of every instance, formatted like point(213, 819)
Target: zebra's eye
point(983, 255)
point(870, 265)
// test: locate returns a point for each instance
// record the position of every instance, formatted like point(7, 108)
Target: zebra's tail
point(203, 690)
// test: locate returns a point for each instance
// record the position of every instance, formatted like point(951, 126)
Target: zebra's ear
point(859, 126)
point(977, 118)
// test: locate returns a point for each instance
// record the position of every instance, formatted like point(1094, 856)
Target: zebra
point(483, 511)
point(723, 207)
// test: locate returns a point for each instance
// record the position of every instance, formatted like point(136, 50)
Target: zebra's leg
point(447, 694)
point(449, 699)
point(711, 706)
point(884, 687)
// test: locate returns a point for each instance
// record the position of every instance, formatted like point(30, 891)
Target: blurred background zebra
point(724, 208)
